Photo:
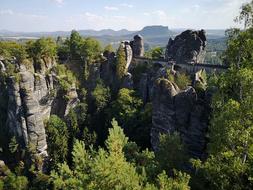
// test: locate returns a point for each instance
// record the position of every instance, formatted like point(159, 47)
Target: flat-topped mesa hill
point(42, 87)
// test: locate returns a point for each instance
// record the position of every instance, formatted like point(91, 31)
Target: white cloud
point(109, 8)
point(126, 5)
point(6, 12)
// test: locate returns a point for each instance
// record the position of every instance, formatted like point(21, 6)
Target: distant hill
point(155, 31)
point(105, 32)
point(153, 35)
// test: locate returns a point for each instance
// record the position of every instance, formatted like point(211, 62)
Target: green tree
point(126, 106)
point(108, 48)
point(121, 62)
point(246, 15)
point(109, 169)
point(8, 50)
point(135, 118)
point(101, 96)
point(74, 43)
point(90, 50)
point(229, 164)
point(41, 48)
point(57, 139)
point(155, 53)
point(171, 152)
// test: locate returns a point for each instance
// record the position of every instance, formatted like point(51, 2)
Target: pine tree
point(121, 62)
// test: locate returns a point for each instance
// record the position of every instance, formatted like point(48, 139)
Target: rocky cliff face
point(182, 111)
point(32, 99)
point(185, 111)
point(188, 47)
point(138, 46)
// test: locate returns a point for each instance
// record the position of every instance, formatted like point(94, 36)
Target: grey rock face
point(188, 47)
point(106, 68)
point(144, 87)
point(15, 119)
point(181, 111)
point(138, 46)
point(127, 81)
point(128, 52)
point(163, 116)
point(2, 66)
point(31, 101)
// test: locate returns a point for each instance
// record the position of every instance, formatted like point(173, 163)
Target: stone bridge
point(190, 67)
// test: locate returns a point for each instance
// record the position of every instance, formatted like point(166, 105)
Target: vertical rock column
point(33, 116)
point(138, 46)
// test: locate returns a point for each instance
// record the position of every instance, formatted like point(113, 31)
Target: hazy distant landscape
point(154, 35)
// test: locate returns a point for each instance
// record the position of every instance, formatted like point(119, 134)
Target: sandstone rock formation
point(182, 111)
point(128, 53)
point(138, 46)
point(188, 47)
point(107, 70)
point(2, 66)
point(32, 99)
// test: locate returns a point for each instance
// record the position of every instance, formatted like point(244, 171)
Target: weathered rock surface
point(107, 70)
point(127, 81)
point(2, 66)
point(128, 52)
point(137, 46)
point(182, 111)
point(188, 47)
point(32, 99)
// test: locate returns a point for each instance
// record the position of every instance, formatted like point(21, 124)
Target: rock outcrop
point(137, 46)
point(188, 47)
point(128, 53)
point(33, 97)
point(182, 111)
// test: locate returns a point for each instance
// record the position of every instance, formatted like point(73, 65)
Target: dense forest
point(103, 142)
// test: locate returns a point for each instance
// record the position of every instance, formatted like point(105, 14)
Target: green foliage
point(143, 160)
point(57, 139)
point(229, 164)
point(43, 47)
point(79, 48)
point(13, 49)
point(90, 49)
point(108, 169)
point(133, 117)
point(74, 43)
point(126, 106)
point(13, 145)
point(240, 49)
point(180, 182)
point(171, 152)
point(155, 53)
point(108, 48)
point(101, 96)
point(121, 63)
point(246, 15)
point(182, 80)
point(65, 77)
point(12, 181)
point(81, 112)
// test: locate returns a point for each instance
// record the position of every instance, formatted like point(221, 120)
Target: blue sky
point(52, 15)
